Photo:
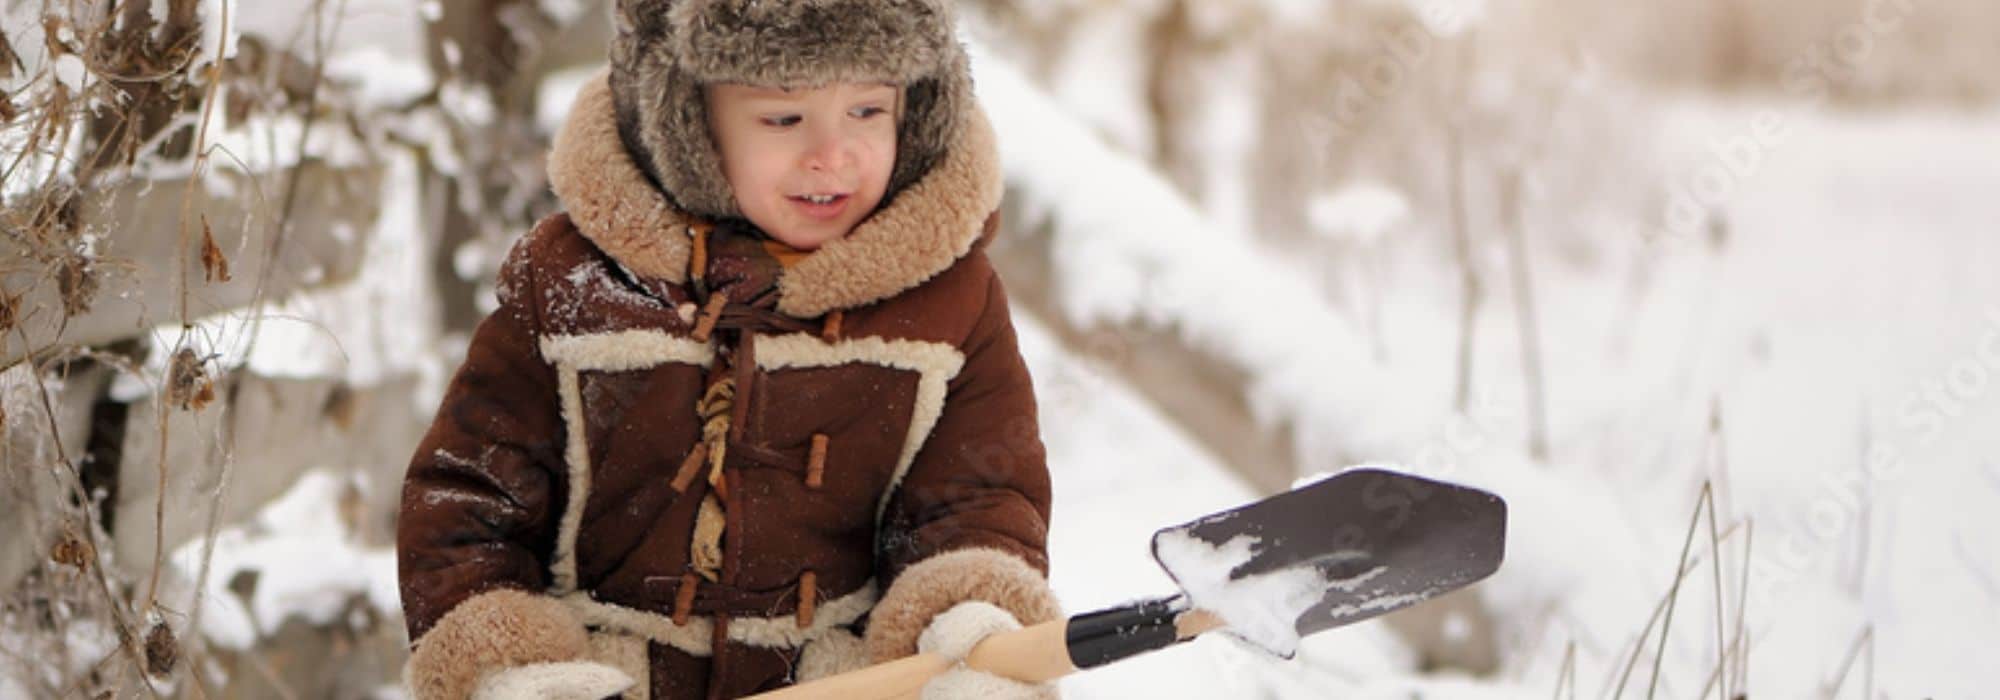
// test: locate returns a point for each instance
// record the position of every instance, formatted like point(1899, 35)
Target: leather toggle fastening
point(808, 596)
point(829, 330)
point(816, 464)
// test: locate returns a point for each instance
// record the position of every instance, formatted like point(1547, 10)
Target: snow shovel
point(1353, 546)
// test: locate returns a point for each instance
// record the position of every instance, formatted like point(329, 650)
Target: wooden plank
point(139, 260)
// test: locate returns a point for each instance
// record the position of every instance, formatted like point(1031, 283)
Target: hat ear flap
point(933, 115)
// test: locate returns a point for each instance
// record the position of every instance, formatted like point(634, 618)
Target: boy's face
point(782, 149)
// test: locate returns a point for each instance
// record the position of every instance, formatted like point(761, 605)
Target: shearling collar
point(919, 234)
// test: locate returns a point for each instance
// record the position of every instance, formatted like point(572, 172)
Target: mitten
point(562, 680)
point(953, 634)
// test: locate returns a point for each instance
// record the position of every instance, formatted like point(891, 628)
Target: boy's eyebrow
point(869, 93)
point(765, 91)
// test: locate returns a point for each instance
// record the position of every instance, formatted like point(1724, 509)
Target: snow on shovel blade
point(1340, 550)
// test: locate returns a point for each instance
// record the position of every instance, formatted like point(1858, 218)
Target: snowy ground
point(1848, 330)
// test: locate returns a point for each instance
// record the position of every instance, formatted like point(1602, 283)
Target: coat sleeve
point(478, 514)
point(969, 521)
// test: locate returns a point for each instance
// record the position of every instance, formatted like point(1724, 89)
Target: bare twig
point(75, 686)
point(1639, 640)
point(136, 19)
point(1566, 674)
point(1673, 596)
point(1866, 640)
point(200, 169)
point(1715, 553)
point(282, 226)
point(1864, 529)
point(270, 675)
point(259, 294)
point(188, 217)
point(1740, 644)
point(1524, 300)
point(1716, 676)
point(181, 19)
point(1469, 291)
point(119, 616)
point(1980, 572)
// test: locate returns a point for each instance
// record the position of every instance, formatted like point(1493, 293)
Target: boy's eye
point(786, 120)
point(866, 112)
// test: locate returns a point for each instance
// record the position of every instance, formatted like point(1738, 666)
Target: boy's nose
point(826, 151)
point(827, 157)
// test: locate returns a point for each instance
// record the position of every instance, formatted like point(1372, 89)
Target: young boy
point(751, 411)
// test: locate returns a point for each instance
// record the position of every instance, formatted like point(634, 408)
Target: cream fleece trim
point(935, 364)
point(609, 199)
point(932, 586)
point(625, 350)
point(626, 653)
point(697, 636)
point(836, 652)
point(486, 633)
point(928, 226)
point(577, 453)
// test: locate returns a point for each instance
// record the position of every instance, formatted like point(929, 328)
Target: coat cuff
point(487, 633)
point(935, 585)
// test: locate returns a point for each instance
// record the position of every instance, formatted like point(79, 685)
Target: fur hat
point(665, 50)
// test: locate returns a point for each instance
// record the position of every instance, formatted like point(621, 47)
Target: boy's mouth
point(821, 206)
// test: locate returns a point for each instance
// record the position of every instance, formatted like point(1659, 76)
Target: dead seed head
point(9, 310)
point(76, 278)
point(162, 652)
point(70, 550)
point(188, 385)
point(214, 266)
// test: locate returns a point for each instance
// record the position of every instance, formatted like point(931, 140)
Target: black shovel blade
point(1337, 551)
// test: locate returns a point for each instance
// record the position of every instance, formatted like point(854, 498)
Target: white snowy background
point(1822, 345)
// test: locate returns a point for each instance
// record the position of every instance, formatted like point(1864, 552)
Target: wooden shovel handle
point(1034, 654)
point(893, 680)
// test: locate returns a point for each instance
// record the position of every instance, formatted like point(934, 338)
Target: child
point(751, 411)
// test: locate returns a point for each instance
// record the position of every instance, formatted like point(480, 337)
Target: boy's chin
point(808, 237)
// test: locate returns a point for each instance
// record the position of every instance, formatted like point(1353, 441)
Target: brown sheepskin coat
point(881, 460)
